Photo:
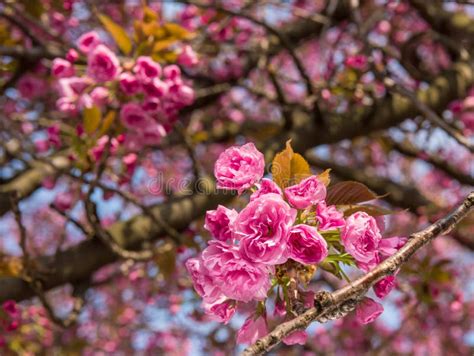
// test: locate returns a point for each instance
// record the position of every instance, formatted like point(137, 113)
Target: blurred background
point(99, 208)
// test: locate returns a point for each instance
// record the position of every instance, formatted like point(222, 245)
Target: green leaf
point(331, 235)
point(91, 119)
point(347, 193)
point(118, 33)
point(344, 258)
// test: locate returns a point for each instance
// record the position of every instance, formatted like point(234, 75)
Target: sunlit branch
point(337, 304)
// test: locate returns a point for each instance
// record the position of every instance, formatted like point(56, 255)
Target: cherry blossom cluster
point(464, 110)
point(9, 319)
point(280, 231)
point(149, 96)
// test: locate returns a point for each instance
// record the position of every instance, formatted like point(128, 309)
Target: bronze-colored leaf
point(34, 7)
point(11, 266)
point(117, 32)
point(372, 210)
point(281, 166)
point(149, 15)
point(166, 259)
point(299, 168)
point(289, 168)
point(325, 177)
point(179, 32)
point(349, 192)
point(91, 118)
point(107, 122)
point(163, 44)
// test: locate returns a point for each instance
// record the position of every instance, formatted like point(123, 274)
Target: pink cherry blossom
point(361, 237)
point(134, 117)
point(244, 281)
point(172, 72)
point(152, 105)
point(306, 245)
point(66, 105)
point(185, 95)
point(72, 55)
point(203, 283)
point(253, 329)
point(233, 276)
point(62, 68)
point(11, 308)
point(368, 310)
point(41, 146)
point(296, 337)
point(266, 186)
point(388, 246)
point(383, 287)
point(369, 265)
point(31, 87)
point(217, 255)
point(155, 88)
point(146, 69)
point(239, 168)
point(467, 119)
point(188, 57)
point(329, 217)
point(100, 96)
point(152, 133)
point(72, 87)
point(129, 84)
point(88, 41)
point(221, 310)
point(219, 222)
point(102, 64)
point(310, 191)
point(12, 325)
point(262, 228)
point(358, 62)
point(53, 132)
point(280, 307)
point(63, 201)
point(100, 146)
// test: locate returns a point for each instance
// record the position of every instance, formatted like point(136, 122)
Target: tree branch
point(453, 24)
point(390, 111)
point(328, 305)
point(78, 263)
point(411, 151)
point(399, 195)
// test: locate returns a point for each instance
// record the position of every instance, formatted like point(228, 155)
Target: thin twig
point(282, 38)
point(30, 276)
point(72, 220)
point(10, 16)
point(430, 114)
point(410, 150)
point(94, 220)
